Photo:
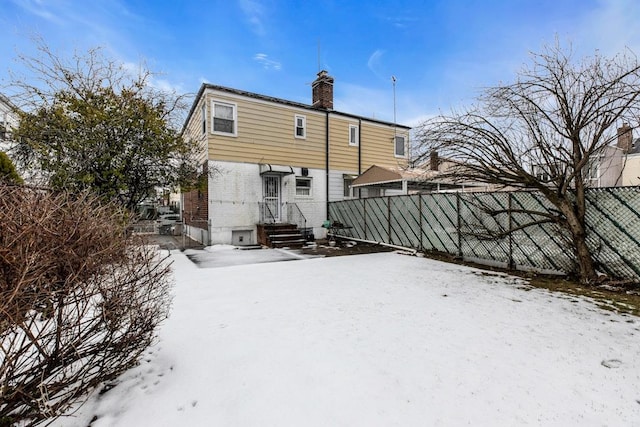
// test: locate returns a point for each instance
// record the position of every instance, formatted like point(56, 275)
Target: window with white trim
point(399, 148)
point(353, 135)
point(546, 172)
point(594, 172)
point(348, 191)
point(541, 172)
point(224, 118)
point(303, 187)
point(300, 126)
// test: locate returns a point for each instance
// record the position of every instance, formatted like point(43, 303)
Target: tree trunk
point(575, 225)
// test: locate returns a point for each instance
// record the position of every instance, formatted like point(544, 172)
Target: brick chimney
point(625, 137)
point(434, 162)
point(323, 91)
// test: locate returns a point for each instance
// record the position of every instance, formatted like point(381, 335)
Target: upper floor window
point(301, 126)
point(593, 173)
point(546, 172)
point(399, 146)
point(4, 132)
point(541, 172)
point(353, 135)
point(303, 186)
point(224, 118)
point(204, 118)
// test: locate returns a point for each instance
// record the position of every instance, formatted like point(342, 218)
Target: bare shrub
point(79, 300)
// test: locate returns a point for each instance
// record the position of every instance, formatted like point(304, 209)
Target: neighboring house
point(631, 162)
point(631, 172)
point(8, 121)
point(617, 165)
point(269, 160)
point(381, 181)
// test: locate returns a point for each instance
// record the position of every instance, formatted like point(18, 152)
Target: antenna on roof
point(319, 69)
point(393, 79)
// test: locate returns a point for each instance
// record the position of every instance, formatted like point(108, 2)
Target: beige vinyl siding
point(378, 147)
point(631, 172)
point(193, 132)
point(342, 155)
point(266, 134)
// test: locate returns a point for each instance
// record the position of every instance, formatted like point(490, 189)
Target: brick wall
point(322, 91)
point(196, 203)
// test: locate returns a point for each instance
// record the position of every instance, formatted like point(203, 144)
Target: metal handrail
point(266, 216)
point(294, 211)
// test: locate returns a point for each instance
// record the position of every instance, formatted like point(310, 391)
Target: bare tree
point(79, 300)
point(543, 132)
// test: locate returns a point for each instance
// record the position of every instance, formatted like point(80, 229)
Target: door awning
point(276, 169)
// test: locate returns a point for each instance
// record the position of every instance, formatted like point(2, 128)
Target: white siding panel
point(336, 184)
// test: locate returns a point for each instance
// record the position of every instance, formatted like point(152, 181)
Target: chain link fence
point(502, 228)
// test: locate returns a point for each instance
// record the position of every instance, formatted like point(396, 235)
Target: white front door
point(271, 197)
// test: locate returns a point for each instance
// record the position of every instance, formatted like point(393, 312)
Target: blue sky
point(442, 52)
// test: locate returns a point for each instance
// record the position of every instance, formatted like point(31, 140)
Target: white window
point(399, 146)
point(349, 192)
point(303, 186)
point(204, 118)
point(224, 118)
point(541, 172)
point(353, 135)
point(546, 172)
point(347, 187)
point(301, 126)
point(593, 173)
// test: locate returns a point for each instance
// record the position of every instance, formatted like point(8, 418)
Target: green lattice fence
point(476, 225)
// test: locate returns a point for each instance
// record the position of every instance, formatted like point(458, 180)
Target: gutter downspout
point(359, 147)
point(327, 164)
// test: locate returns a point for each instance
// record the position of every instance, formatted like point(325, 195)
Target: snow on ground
point(375, 340)
point(226, 255)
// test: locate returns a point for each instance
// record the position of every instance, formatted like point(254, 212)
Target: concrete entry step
point(280, 235)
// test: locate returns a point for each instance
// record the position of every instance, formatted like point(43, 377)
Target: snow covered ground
point(375, 340)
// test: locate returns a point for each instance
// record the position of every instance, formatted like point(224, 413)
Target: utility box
point(241, 237)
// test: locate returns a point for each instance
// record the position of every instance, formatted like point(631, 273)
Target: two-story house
point(617, 165)
point(269, 160)
point(629, 148)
